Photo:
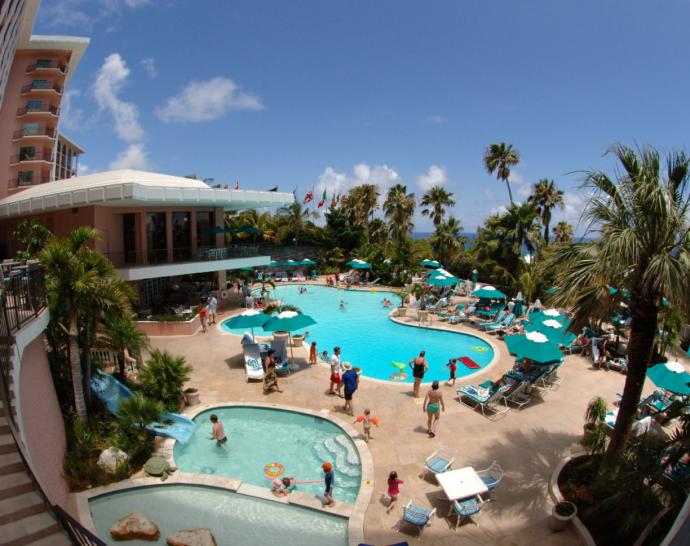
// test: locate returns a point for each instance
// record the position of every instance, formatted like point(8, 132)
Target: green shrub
point(163, 378)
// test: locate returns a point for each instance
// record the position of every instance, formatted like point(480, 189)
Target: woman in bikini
point(433, 406)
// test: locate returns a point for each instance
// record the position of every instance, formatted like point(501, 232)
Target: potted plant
point(419, 291)
point(191, 396)
point(594, 435)
point(402, 310)
point(297, 340)
point(561, 515)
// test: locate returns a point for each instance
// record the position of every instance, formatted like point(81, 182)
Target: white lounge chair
point(252, 362)
point(281, 276)
point(280, 353)
point(298, 276)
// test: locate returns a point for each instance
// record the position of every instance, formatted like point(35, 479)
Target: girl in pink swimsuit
point(393, 489)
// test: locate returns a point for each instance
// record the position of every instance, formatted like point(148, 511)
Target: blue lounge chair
point(496, 317)
point(484, 398)
point(281, 355)
point(439, 461)
point(505, 323)
point(465, 509)
point(518, 396)
point(417, 516)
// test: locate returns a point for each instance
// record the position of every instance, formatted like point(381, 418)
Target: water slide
point(111, 392)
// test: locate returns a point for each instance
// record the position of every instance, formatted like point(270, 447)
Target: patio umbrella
point(519, 306)
point(288, 321)
point(670, 376)
point(489, 293)
point(216, 230)
point(358, 264)
point(251, 318)
point(307, 261)
point(431, 264)
point(274, 264)
point(533, 345)
point(290, 263)
point(442, 280)
point(538, 304)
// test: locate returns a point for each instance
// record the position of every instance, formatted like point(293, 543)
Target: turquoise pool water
point(260, 436)
point(234, 519)
point(370, 340)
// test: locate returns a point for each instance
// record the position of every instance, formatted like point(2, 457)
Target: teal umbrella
point(670, 376)
point(358, 264)
point(431, 264)
point(251, 318)
point(288, 321)
point(535, 346)
point(274, 264)
point(216, 230)
point(441, 280)
point(246, 269)
point(489, 293)
point(307, 261)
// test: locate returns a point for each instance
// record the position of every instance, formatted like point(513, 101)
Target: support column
point(143, 255)
point(169, 235)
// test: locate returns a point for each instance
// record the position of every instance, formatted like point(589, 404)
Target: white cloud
point(132, 157)
point(83, 169)
point(500, 210)
point(71, 117)
point(134, 4)
point(435, 119)
point(572, 211)
point(207, 100)
point(362, 173)
point(85, 14)
point(111, 78)
point(434, 176)
point(149, 65)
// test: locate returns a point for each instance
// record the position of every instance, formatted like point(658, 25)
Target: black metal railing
point(49, 109)
point(76, 531)
point(183, 255)
point(51, 65)
point(25, 182)
point(41, 131)
point(36, 86)
point(39, 155)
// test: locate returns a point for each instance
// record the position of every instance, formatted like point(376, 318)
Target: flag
point(343, 198)
point(333, 201)
point(309, 197)
point(323, 200)
point(237, 185)
point(225, 187)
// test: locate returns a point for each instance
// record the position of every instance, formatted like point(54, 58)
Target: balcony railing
point(27, 133)
point(23, 183)
point(52, 65)
point(183, 255)
point(50, 109)
point(45, 155)
point(33, 86)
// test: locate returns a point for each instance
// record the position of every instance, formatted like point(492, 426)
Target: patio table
point(462, 483)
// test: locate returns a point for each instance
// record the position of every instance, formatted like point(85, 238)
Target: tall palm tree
point(446, 240)
point(296, 220)
point(499, 158)
point(364, 201)
point(435, 202)
point(399, 209)
point(520, 228)
point(545, 196)
point(642, 221)
point(120, 333)
point(378, 232)
point(563, 232)
point(81, 285)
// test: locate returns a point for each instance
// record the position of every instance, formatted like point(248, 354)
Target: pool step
point(352, 457)
point(329, 450)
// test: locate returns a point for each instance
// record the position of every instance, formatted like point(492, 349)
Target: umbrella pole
point(292, 355)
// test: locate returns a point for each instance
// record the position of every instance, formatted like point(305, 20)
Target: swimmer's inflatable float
point(273, 470)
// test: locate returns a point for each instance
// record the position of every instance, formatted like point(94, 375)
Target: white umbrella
point(537, 337)
point(552, 323)
point(551, 312)
point(537, 304)
point(675, 366)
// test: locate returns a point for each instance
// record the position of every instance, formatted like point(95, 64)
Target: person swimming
point(342, 304)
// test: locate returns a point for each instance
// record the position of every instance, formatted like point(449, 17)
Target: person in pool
point(419, 368)
point(342, 305)
point(217, 433)
point(433, 406)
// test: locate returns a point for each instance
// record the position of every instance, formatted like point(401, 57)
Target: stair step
point(58, 539)
point(6, 438)
point(21, 513)
point(7, 448)
point(20, 502)
point(29, 529)
point(15, 484)
point(10, 458)
point(4, 429)
point(9, 492)
point(11, 468)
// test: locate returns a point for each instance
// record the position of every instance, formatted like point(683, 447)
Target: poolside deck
point(528, 443)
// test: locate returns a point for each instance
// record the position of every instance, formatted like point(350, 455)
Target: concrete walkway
point(527, 443)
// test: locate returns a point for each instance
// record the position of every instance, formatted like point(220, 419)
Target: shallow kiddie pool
point(370, 340)
point(234, 519)
point(258, 437)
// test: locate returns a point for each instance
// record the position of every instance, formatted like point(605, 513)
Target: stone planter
point(297, 340)
point(561, 515)
point(191, 396)
point(401, 312)
point(423, 316)
point(281, 336)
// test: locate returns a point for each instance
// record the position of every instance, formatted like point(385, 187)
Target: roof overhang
point(128, 188)
point(143, 272)
point(70, 143)
point(74, 44)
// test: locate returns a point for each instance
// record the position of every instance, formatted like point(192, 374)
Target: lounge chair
point(314, 275)
point(501, 325)
point(518, 395)
point(417, 516)
point(620, 364)
point(439, 461)
point(298, 276)
point(281, 276)
point(494, 309)
point(497, 318)
point(439, 305)
point(491, 477)
point(280, 353)
point(485, 398)
point(465, 509)
point(252, 362)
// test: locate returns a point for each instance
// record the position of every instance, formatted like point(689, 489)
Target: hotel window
point(27, 152)
point(40, 84)
point(43, 63)
point(25, 178)
point(34, 105)
point(155, 237)
point(182, 235)
point(30, 129)
point(204, 222)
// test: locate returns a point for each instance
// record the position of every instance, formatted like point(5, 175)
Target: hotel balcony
point(137, 265)
point(36, 87)
point(48, 110)
point(45, 156)
point(42, 132)
point(24, 183)
point(47, 67)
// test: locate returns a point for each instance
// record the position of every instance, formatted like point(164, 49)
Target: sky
point(315, 94)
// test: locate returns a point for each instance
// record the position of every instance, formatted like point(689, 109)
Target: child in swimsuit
point(453, 365)
point(312, 353)
point(367, 420)
point(328, 478)
point(393, 489)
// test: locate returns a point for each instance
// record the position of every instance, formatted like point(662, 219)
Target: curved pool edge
point(353, 512)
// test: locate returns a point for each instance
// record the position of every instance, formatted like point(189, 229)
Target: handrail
point(77, 532)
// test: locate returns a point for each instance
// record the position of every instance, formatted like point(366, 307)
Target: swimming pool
point(234, 519)
point(370, 340)
point(260, 436)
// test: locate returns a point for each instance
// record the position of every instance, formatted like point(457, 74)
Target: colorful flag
point(237, 185)
point(343, 198)
point(323, 200)
point(309, 197)
point(333, 201)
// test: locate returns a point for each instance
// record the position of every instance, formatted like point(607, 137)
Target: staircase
point(25, 518)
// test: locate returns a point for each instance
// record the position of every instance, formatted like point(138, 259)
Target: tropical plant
point(163, 377)
point(399, 209)
point(595, 437)
point(32, 236)
point(275, 308)
point(364, 202)
point(135, 414)
point(120, 333)
point(294, 221)
point(563, 232)
point(643, 245)
point(420, 291)
point(81, 285)
point(435, 202)
point(499, 158)
point(446, 240)
point(545, 197)
point(378, 232)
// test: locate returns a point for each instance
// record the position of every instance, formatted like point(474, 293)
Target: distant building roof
point(123, 188)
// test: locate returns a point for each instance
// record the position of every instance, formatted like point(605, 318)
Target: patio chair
point(439, 461)
point(314, 275)
point(501, 325)
point(620, 364)
point(298, 276)
point(465, 509)
point(417, 516)
point(280, 353)
point(491, 477)
point(252, 362)
point(518, 395)
point(484, 398)
point(439, 305)
point(497, 318)
point(462, 315)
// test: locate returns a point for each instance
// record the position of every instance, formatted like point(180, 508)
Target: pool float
point(480, 349)
point(374, 420)
point(400, 376)
point(273, 470)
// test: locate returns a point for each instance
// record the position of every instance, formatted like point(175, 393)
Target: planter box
point(297, 340)
point(173, 328)
point(281, 336)
point(401, 312)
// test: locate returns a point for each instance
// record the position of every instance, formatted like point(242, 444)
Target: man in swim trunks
point(433, 406)
point(419, 368)
point(218, 433)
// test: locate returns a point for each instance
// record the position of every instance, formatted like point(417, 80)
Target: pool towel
point(467, 361)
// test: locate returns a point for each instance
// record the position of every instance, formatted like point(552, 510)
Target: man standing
point(212, 309)
point(419, 368)
point(335, 372)
point(217, 434)
point(350, 381)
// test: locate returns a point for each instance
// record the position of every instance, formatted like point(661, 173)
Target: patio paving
point(527, 443)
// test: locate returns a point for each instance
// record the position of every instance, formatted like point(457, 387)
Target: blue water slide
point(111, 392)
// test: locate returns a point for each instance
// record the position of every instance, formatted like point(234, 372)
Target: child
point(202, 318)
point(328, 478)
point(367, 420)
point(453, 365)
point(312, 353)
point(284, 487)
point(393, 489)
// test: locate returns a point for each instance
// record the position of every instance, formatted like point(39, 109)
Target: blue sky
point(328, 94)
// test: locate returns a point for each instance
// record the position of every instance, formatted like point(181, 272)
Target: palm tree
point(163, 377)
point(120, 334)
point(81, 285)
point(499, 158)
point(545, 196)
point(446, 240)
point(378, 232)
point(563, 232)
point(295, 221)
point(363, 200)
point(519, 226)
point(32, 235)
point(435, 202)
point(641, 219)
point(399, 208)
